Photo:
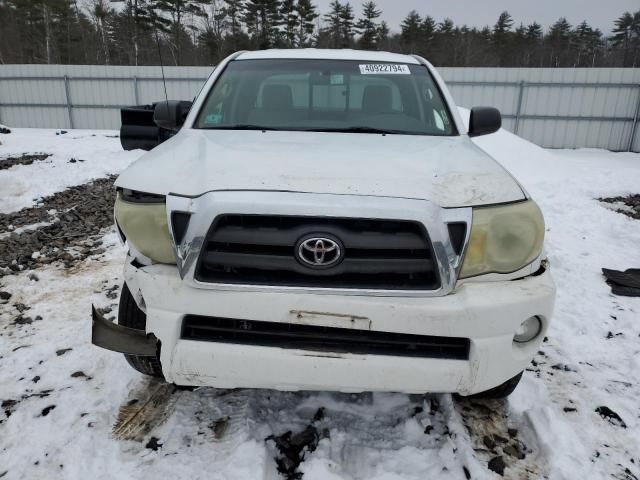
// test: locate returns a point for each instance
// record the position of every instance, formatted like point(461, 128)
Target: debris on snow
point(26, 159)
point(629, 205)
point(47, 410)
point(496, 464)
point(612, 417)
point(153, 444)
point(625, 283)
point(293, 448)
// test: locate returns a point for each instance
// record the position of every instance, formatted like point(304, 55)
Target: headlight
point(503, 239)
point(143, 220)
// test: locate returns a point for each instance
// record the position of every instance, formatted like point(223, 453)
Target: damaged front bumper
point(488, 314)
point(121, 339)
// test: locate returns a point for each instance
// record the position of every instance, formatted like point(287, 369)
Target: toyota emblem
point(319, 251)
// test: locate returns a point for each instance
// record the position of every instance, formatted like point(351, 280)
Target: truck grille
point(262, 250)
point(322, 339)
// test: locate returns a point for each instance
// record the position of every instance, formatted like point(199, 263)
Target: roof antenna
point(164, 81)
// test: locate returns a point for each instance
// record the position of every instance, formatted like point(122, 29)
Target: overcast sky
point(478, 13)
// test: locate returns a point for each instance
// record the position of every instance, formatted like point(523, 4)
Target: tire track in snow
point(356, 436)
point(149, 406)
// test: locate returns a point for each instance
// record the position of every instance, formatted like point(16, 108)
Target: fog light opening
point(528, 330)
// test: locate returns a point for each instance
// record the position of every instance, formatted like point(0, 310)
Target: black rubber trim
point(134, 196)
point(322, 339)
point(179, 224)
point(457, 234)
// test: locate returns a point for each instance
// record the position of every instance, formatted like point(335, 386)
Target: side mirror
point(171, 114)
point(484, 120)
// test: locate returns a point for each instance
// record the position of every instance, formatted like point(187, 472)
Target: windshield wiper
point(240, 126)
point(355, 129)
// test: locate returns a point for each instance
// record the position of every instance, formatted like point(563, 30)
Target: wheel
point(129, 315)
point(501, 391)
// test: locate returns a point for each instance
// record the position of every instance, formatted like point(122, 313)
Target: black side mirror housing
point(171, 114)
point(484, 120)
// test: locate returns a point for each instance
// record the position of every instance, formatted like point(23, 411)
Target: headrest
point(376, 99)
point(277, 97)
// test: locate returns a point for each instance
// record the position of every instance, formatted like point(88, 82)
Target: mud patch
point(26, 159)
point(629, 205)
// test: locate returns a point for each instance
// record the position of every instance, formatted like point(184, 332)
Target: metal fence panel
point(557, 107)
point(553, 107)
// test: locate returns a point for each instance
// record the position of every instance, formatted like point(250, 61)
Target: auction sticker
point(384, 69)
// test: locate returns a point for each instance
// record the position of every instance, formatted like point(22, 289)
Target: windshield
point(326, 95)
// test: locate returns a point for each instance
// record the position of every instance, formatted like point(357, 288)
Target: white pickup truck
point(321, 219)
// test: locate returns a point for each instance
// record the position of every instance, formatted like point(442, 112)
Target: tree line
point(202, 32)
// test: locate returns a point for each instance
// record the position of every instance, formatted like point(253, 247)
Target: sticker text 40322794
point(384, 69)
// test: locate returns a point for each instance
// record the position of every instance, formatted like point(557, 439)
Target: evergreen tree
point(368, 27)
point(626, 34)
point(101, 13)
point(347, 26)
point(519, 48)
point(306, 12)
point(262, 18)
point(443, 40)
point(532, 44)
point(289, 16)
point(212, 35)
point(428, 29)
point(205, 31)
point(558, 41)
point(588, 42)
point(233, 10)
point(383, 36)
point(175, 25)
point(534, 32)
point(411, 31)
point(138, 21)
point(502, 36)
point(333, 31)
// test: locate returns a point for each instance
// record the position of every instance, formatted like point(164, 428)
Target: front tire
point(501, 391)
point(130, 315)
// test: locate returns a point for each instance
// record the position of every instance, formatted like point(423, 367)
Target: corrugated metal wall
point(558, 108)
point(36, 95)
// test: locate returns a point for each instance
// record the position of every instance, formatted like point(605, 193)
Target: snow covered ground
point(61, 396)
point(94, 153)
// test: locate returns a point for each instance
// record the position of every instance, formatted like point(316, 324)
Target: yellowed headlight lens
point(503, 239)
point(146, 229)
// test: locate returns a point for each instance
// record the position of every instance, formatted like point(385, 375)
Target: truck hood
point(449, 171)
